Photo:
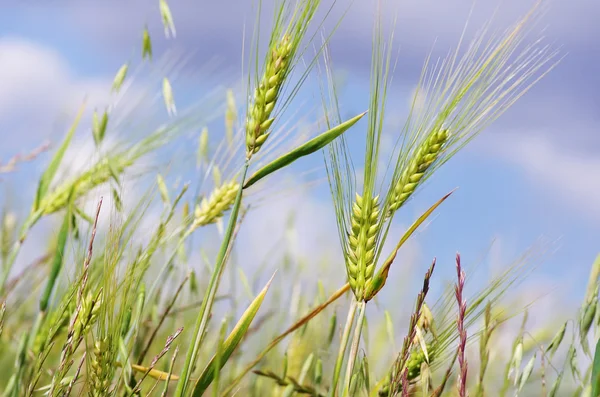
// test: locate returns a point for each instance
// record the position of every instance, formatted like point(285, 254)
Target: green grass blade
point(48, 175)
point(57, 261)
point(218, 356)
point(303, 150)
point(596, 372)
point(230, 343)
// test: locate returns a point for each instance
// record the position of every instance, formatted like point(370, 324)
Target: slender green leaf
point(303, 150)
point(57, 261)
point(596, 372)
point(232, 341)
point(219, 356)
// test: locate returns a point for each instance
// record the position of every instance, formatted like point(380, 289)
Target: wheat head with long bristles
point(411, 176)
point(265, 96)
point(99, 381)
point(360, 256)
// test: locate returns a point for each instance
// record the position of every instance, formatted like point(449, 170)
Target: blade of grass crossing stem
point(303, 150)
point(209, 296)
point(57, 260)
point(230, 343)
point(596, 372)
point(380, 278)
point(48, 175)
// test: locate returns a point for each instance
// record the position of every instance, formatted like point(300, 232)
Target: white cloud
point(37, 87)
point(568, 176)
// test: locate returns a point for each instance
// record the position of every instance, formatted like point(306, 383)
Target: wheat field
point(139, 286)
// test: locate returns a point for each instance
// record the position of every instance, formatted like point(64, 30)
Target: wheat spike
point(212, 208)
point(87, 316)
point(360, 253)
point(83, 184)
point(425, 155)
point(413, 369)
point(99, 380)
point(265, 96)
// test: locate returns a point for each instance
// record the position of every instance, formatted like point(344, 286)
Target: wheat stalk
point(460, 325)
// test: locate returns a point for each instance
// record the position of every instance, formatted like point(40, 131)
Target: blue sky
point(535, 172)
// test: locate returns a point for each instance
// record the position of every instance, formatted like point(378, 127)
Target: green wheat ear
point(212, 208)
point(266, 94)
point(426, 154)
point(99, 381)
point(360, 257)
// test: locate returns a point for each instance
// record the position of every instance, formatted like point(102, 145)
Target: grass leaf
point(596, 372)
point(303, 150)
point(231, 342)
point(57, 260)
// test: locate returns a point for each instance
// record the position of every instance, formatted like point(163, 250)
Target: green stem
point(209, 296)
point(14, 252)
point(9, 263)
point(354, 347)
point(343, 346)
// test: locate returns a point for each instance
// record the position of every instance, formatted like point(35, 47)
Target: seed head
point(212, 208)
point(423, 158)
point(265, 95)
point(360, 253)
